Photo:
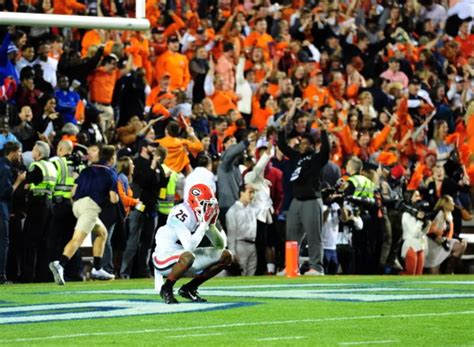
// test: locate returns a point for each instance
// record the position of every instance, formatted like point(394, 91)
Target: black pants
point(62, 231)
point(34, 264)
point(16, 246)
point(345, 256)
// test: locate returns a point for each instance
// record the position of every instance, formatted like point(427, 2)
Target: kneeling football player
point(177, 252)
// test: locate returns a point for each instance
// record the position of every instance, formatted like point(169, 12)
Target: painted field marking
point(193, 335)
point(279, 338)
point(238, 325)
point(370, 294)
point(367, 343)
point(211, 291)
point(443, 282)
point(97, 309)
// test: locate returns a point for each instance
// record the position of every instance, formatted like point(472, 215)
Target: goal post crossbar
point(85, 22)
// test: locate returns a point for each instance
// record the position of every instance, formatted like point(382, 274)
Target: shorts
point(87, 212)
point(204, 257)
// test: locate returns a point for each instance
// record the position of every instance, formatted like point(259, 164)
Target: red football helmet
point(202, 200)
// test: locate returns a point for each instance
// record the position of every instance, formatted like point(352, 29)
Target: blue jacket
point(7, 68)
point(6, 188)
point(66, 104)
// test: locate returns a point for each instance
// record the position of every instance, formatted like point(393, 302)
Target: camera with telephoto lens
point(78, 158)
point(418, 206)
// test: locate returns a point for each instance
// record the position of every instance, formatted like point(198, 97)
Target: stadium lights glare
point(86, 22)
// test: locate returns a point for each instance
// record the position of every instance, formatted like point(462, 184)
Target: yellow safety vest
point(364, 187)
point(166, 199)
point(46, 187)
point(65, 177)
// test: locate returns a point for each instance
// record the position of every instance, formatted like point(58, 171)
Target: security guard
point(359, 190)
point(167, 197)
point(64, 220)
point(40, 182)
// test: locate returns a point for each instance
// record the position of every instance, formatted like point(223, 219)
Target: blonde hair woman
point(441, 244)
point(438, 143)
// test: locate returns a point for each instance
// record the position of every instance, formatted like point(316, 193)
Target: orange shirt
point(101, 85)
point(139, 49)
point(224, 101)
point(259, 115)
point(177, 158)
point(177, 66)
point(92, 38)
point(67, 7)
point(126, 197)
point(259, 40)
point(318, 97)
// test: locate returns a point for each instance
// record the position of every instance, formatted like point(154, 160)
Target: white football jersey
point(179, 231)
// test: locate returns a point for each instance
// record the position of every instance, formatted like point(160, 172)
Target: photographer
point(415, 226)
point(332, 200)
point(351, 223)
point(392, 186)
point(440, 238)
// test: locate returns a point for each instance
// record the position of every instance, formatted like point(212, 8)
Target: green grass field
point(258, 311)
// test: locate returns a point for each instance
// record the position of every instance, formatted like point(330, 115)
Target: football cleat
point(101, 274)
point(58, 272)
point(168, 296)
point(190, 294)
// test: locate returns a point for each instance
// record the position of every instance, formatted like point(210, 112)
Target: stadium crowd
point(344, 125)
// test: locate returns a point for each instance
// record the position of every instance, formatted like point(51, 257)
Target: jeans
point(141, 227)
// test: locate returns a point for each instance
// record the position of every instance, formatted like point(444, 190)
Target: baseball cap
point(173, 38)
point(158, 30)
point(92, 110)
point(12, 49)
point(113, 56)
point(168, 96)
point(261, 142)
point(397, 171)
point(146, 143)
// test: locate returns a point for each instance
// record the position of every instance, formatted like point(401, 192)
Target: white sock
point(271, 268)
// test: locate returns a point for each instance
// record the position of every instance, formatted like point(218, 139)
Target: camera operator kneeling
point(441, 244)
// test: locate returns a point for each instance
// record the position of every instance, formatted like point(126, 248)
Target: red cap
point(397, 171)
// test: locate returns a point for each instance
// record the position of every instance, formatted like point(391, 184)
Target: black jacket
point(306, 176)
point(147, 183)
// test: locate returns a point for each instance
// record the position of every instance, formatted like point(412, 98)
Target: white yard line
point(193, 335)
point(367, 343)
point(238, 325)
point(278, 338)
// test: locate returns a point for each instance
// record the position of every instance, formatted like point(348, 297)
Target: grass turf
point(275, 312)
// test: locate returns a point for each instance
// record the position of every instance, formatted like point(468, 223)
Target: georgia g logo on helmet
point(195, 191)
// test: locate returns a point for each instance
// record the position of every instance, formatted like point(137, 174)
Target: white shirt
point(263, 200)
point(241, 224)
point(199, 175)
point(413, 234)
point(183, 226)
point(243, 89)
point(331, 226)
point(49, 68)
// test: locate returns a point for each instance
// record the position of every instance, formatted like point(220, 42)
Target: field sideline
point(256, 311)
